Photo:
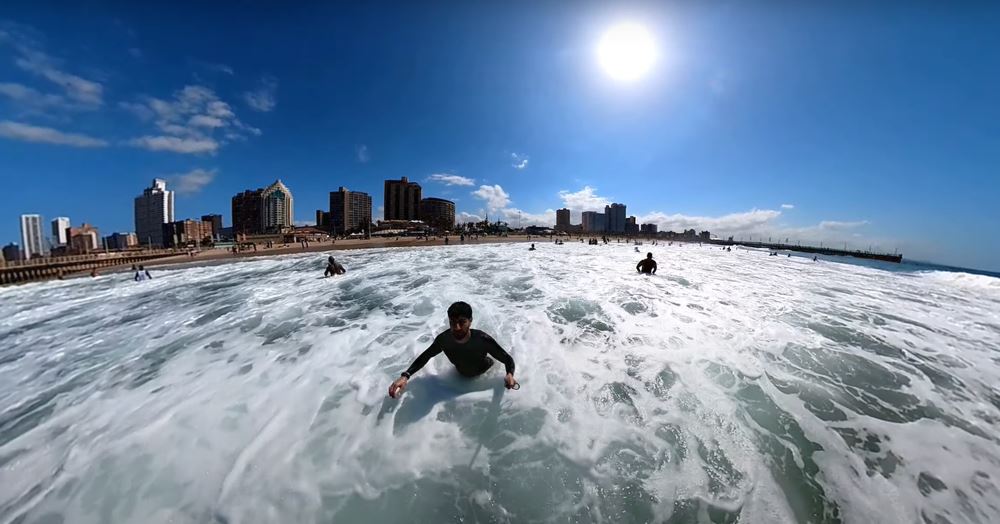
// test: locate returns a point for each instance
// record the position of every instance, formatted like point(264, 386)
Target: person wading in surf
point(647, 265)
point(465, 347)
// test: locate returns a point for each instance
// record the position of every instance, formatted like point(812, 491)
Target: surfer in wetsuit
point(333, 268)
point(466, 348)
point(647, 265)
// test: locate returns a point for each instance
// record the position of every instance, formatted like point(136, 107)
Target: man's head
point(649, 255)
point(460, 319)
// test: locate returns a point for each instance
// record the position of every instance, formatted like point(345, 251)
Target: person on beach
point(333, 268)
point(647, 265)
point(466, 348)
point(142, 274)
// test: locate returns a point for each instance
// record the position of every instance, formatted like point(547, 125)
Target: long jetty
point(20, 271)
point(871, 255)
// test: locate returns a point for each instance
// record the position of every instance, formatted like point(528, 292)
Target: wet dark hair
point(460, 309)
point(649, 255)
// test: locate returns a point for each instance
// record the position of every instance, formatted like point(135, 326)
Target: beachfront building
point(246, 212)
point(153, 208)
point(276, 208)
point(121, 241)
point(84, 239)
point(185, 233)
point(648, 229)
point(631, 227)
point(350, 211)
point(438, 213)
point(12, 252)
point(402, 200)
point(216, 221)
point(32, 241)
point(615, 216)
point(562, 219)
point(594, 222)
point(59, 233)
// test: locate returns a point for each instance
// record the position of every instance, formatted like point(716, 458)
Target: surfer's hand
point(509, 381)
point(396, 389)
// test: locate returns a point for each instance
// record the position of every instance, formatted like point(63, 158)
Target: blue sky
point(872, 125)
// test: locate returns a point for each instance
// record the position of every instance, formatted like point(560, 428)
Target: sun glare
point(626, 52)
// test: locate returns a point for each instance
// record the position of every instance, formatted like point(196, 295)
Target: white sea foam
point(776, 389)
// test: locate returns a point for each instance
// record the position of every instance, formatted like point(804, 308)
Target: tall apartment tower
point(32, 241)
point(562, 219)
point(350, 211)
point(402, 199)
point(276, 208)
point(594, 222)
point(59, 235)
point(615, 214)
point(153, 208)
point(246, 212)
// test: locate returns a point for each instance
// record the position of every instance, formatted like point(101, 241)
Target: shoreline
point(220, 256)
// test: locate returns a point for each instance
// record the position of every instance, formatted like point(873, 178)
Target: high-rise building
point(84, 239)
point(11, 252)
point(350, 211)
point(562, 219)
point(153, 208)
point(247, 208)
point(594, 222)
point(615, 216)
point(402, 200)
point(121, 241)
point(59, 234)
point(32, 241)
point(276, 208)
point(648, 229)
point(216, 222)
point(322, 218)
point(438, 213)
point(631, 227)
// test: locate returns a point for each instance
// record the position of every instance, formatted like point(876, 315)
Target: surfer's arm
point(421, 361)
point(497, 352)
point(654, 267)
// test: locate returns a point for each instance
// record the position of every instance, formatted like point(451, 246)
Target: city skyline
point(802, 123)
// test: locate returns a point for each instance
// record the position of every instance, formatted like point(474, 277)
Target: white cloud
point(787, 206)
point(749, 221)
point(379, 213)
point(193, 181)
point(585, 199)
point(47, 135)
point(518, 161)
point(220, 68)
point(263, 98)
point(79, 89)
point(494, 196)
point(195, 120)
point(175, 144)
point(839, 226)
point(451, 180)
point(30, 98)
point(515, 216)
point(464, 218)
point(361, 153)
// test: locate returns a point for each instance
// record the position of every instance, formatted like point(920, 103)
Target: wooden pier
point(871, 255)
point(49, 268)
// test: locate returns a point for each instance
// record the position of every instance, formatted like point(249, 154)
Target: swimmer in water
point(466, 348)
point(532, 248)
point(333, 268)
point(647, 265)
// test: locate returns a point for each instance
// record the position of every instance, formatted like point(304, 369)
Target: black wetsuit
point(647, 265)
point(469, 358)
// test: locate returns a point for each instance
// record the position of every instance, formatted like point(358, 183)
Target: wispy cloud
point(194, 121)
point(839, 225)
point(263, 98)
point(451, 180)
point(30, 99)
point(518, 162)
point(135, 52)
point(585, 199)
point(464, 218)
point(193, 181)
point(745, 222)
point(787, 206)
point(361, 153)
point(494, 196)
point(47, 135)
point(176, 144)
point(80, 93)
point(220, 68)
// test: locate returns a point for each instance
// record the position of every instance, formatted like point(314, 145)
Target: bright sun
point(626, 52)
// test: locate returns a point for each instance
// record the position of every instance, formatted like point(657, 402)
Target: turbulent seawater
point(730, 387)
